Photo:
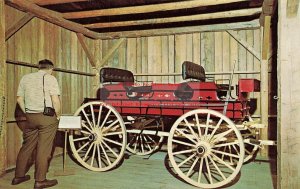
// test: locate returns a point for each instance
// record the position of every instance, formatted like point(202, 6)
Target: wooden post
point(264, 67)
point(288, 92)
point(3, 76)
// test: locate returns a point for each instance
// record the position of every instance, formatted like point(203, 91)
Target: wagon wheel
point(194, 148)
point(250, 149)
point(101, 143)
point(142, 143)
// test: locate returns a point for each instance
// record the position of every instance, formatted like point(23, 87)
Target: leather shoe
point(18, 180)
point(45, 184)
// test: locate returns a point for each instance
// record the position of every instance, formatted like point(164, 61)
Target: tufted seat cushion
point(115, 75)
point(192, 70)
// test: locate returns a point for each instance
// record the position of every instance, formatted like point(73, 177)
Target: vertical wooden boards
point(180, 54)
point(144, 60)
point(289, 101)
point(233, 62)
point(165, 58)
point(171, 58)
point(3, 88)
point(154, 58)
point(131, 55)
point(138, 58)
point(208, 51)
point(218, 59)
point(225, 54)
point(196, 48)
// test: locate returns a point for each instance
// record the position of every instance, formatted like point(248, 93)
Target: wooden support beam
point(225, 14)
point(244, 44)
point(181, 30)
point(19, 63)
point(264, 77)
point(50, 16)
point(110, 53)
point(17, 26)
point(3, 92)
point(54, 2)
point(268, 9)
point(146, 8)
point(86, 50)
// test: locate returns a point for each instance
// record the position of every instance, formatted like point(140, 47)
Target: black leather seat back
point(193, 71)
point(115, 75)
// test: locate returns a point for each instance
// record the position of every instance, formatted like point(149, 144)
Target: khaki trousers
point(39, 134)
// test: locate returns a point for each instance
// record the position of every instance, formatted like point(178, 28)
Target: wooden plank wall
point(3, 89)
point(39, 40)
point(288, 91)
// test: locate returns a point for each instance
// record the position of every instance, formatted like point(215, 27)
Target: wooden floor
point(136, 172)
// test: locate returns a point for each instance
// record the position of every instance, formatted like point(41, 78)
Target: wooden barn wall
point(35, 41)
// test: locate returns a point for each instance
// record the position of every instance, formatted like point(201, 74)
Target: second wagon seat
point(191, 71)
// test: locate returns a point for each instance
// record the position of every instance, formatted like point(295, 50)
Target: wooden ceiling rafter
point(18, 25)
point(55, 2)
point(254, 24)
point(216, 15)
point(146, 8)
point(51, 16)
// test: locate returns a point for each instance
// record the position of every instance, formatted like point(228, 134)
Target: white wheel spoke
point(149, 137)
point(103, 150)
point(86, 117)
point(221, 135)
point(146, 142)
point(218, 169)
point(113, 133)
point(225, 153)
point(225, 144)
point(183, 143)
point(99, 156)
point(93, 156)
point(207, 124)
point(114, 142)
point(208, 170)
point(109, 148)
point(104, 121)
point(200, 170)
point(80, 139)
point(184, 151)
point(186, 160)
point(112, 124)
point(99, 115)
point(223, 162)
point(88, 151)
point(85, 132)
point(234, 147)
point(192, 167)
point(186, 136)
point(136, 142)
point(142, 146)
point(82, 147)
point(192, 131)
point(85, 126)
point(198, 125)
point(93, 115)
point(215, 129)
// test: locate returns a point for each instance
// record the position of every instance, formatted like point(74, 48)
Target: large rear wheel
point(196, 148)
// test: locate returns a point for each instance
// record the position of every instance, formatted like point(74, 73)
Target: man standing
point(36, 92)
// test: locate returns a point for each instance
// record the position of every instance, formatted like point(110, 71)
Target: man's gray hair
point(45, 64)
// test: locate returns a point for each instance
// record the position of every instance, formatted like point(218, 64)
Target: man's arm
point(56, 105)
point(20, 101)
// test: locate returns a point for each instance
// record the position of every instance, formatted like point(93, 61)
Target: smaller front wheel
point(196, 148)
point(100, 144)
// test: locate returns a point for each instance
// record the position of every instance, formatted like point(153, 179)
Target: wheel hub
point(203, 149)
point(96, 137)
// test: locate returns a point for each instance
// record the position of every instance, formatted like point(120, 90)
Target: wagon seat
point(190, 72)
point(123, 78)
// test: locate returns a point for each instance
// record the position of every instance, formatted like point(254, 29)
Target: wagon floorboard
point(137, 172)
